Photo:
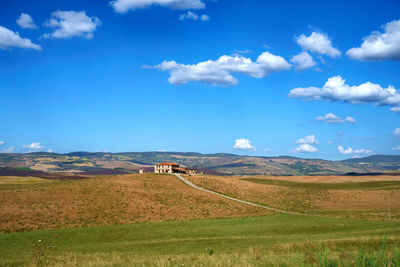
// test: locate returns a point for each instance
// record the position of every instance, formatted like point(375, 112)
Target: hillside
point(217, 164)
point(109, 200)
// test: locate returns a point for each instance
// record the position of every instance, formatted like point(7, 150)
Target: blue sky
point(243, 77)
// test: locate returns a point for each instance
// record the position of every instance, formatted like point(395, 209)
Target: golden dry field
point(338, 196)
point(110, 200)
point(333, 178)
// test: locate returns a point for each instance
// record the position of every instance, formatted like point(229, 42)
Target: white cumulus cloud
point(25, 21)
point(219, 72)
point(34, 145)
point(350, 120)
point(306, 144)
point(332, 118)
point(395, 109)
point(68, 24)
point(379, 45)
point(2, 143)
point(9, 39)
point(397, 148)
point(306, 148)
point(349, 150)
point(310, 139)
point(245, 144)
point(318, 43)
point(303, 61)
point(193, 16)
point(122, 6)
point(204, 17)
point(335, 89)
point(396, 132)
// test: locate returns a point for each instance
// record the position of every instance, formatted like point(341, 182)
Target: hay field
point(371, 199)
point(110, 200)
point(332, 178)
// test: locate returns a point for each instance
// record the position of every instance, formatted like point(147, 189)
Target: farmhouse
point(143, 171)
point(169, 167)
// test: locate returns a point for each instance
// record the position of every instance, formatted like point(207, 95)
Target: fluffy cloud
point(25, 21)
point(318, 43)
point(1, 143)
point(306, 148)
point(332, 118)
point(395, 109)
point(219, 72)
point(306, 144)
point(396, 132)
point(244, 144)
point(350, 120)
point(303, 61)
point(9, 38)
point(310, 139)
point(335, 89)
point(397, 148)
point(68, 24)
point(193, 16)
point(378, 45)
point(350, 150)
point(122, 6)
point(34, 145)
point(204, 17)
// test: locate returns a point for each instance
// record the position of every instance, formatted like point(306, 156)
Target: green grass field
point(22, 180)
point(277, 240)
point(375, 185)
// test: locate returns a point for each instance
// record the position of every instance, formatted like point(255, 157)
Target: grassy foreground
point(276, 240)
point(22, 180)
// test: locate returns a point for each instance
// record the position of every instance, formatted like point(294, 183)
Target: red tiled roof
point(168, 163)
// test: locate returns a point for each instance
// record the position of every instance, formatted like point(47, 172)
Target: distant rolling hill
point(218, 164)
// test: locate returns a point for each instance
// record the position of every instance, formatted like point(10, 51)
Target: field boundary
point(189, 183)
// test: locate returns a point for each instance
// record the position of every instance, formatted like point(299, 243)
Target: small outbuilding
point(143, 171)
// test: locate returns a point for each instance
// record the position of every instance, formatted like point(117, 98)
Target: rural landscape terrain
point(220, 164)
point(92, 209)
point(201, 133)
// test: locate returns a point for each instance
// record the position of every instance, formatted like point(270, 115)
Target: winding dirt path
point(189, 183)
